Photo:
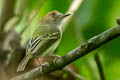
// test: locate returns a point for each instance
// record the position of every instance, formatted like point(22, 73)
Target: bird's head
point(54, 17)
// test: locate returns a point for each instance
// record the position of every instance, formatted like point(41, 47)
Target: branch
point(80, 51)
point(99, 65)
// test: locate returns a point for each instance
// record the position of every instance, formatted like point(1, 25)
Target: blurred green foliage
point(92, 18)
point(0, 6)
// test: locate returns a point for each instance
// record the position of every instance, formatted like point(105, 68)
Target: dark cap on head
point(56, 13)
point(54, 17)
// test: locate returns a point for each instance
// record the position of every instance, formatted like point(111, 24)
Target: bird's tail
point(23, 63)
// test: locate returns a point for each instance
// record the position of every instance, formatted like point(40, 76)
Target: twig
point(11, 23)
point(76, 75)
point(99, 65)
point(18, 13)
point(7, 12)
point(91, 68)
point(33, 15)
point(73, 8)
point(21, 4)
point(73, 55)
point(118, 21)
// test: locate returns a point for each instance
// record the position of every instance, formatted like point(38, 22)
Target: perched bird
point(45, 39)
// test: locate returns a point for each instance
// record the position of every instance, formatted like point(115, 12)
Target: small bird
point(45, 39)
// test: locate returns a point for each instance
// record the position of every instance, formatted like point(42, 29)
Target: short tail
point(23, 63)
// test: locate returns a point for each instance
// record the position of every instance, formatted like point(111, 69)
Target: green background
point(92, 18)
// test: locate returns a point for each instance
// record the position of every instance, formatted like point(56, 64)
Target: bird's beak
point(64, 16)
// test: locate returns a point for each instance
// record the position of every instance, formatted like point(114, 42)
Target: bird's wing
point(38, 40)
